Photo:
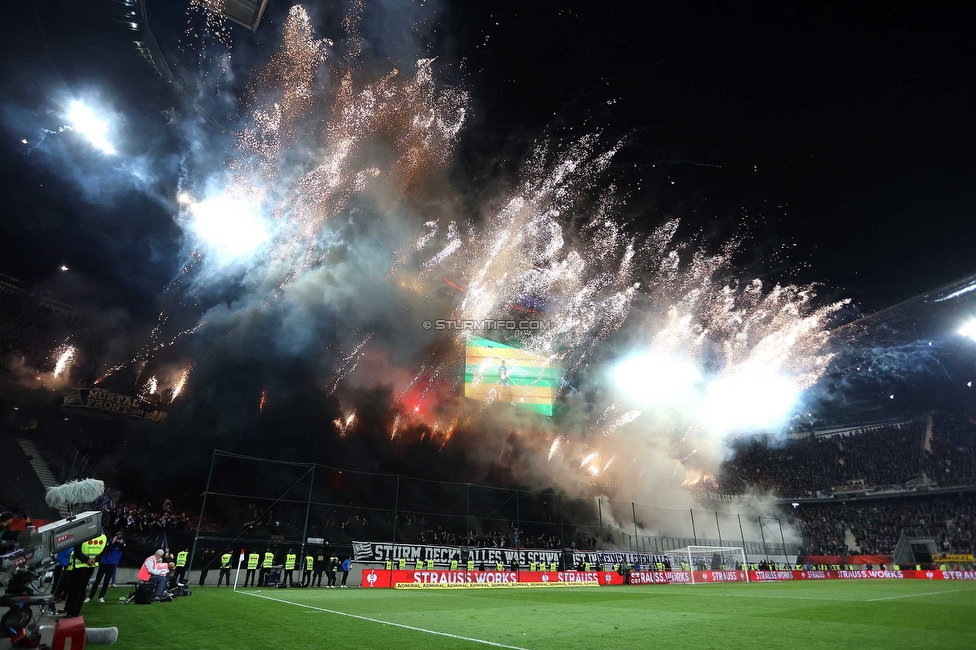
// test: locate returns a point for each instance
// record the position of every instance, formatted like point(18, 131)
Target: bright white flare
point(228, 227)
point(969, 329)
point(83, 120)
point(748, 398)
point(66, 355)
point(656, 379)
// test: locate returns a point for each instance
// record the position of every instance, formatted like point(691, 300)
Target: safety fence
point(261, 503)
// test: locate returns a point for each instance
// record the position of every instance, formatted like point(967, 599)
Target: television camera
point(22, 569)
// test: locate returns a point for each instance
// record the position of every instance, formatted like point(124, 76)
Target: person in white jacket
point(154, 571)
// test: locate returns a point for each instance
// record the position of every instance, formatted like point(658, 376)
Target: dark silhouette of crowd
point(803, 467)
point(875, 525)
point(143, 516)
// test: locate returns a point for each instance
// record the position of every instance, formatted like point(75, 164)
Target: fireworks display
point(319, 225)
point(64, 355)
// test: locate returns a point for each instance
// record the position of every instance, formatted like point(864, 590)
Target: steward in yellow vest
point(252, 564)
point(265, 574)
point(389, 565)
point(84, 559)
point(290, 560)
point(418, 565)
point(454, 565)
point(430, 565)
point(552, 566)
point(470, 565)
point(402, 564)
point(533, 566)
point(225, 560)
point(499, 566)
point(309, 567)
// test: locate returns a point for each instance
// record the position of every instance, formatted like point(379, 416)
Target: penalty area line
point(376, 620)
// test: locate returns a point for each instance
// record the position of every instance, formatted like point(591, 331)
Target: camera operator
point(84, 560)
point(106, 568)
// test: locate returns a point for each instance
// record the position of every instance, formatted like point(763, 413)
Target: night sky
point(838, 137)
point(842, 131)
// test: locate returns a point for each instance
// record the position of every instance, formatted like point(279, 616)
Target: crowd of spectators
point(951, 458)
point(134, 516)
point(891, 455)
point(876, 525)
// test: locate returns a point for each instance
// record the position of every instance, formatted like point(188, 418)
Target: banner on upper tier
point(442, 555)
point(105, 403)
point(952, 557)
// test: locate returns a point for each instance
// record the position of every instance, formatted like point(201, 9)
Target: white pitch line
point(927, 593)
point(376, 620)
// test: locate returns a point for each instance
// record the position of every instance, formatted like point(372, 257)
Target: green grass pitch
point(835, 614)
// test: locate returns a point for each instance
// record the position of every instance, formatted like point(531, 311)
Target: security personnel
point(266, 565)
point(943, 567)
point(418, 565)
point(309, 566)
point(253, 559)
point(84, 561)
point(470, 565)
point(552, 566)
point(290, 559)
point(532, 566)
point(402, 564)
point(586, 566)
point(181, 565)
point(454, 564)
point(499, 566)
point(659, 566)
point(333, 567)
point(684, 566)
point(224, 568)
point(430, 564)
point(389, 565)
point(321, 564)
point(798, 567)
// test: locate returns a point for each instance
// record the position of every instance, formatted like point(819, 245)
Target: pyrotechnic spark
point(587, 459)
point(609, 463)
point(64, 268)
point(146, 353)
point(396, 426)
point(555, 445)
point(344, 425)
point(65, 355)
point(263, 400)
point(152, 385)
point(621, 421)
point(83, 119)
point(348, 363)
point(180, 383)
point(593, 470)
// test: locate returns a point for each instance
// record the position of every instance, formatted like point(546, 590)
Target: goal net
point(708, 558)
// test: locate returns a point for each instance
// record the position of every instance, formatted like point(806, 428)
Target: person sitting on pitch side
point(154, 571)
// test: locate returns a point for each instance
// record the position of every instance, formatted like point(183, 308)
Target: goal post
point(709, 558)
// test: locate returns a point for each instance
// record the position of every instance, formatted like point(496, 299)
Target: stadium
point(446, 325)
